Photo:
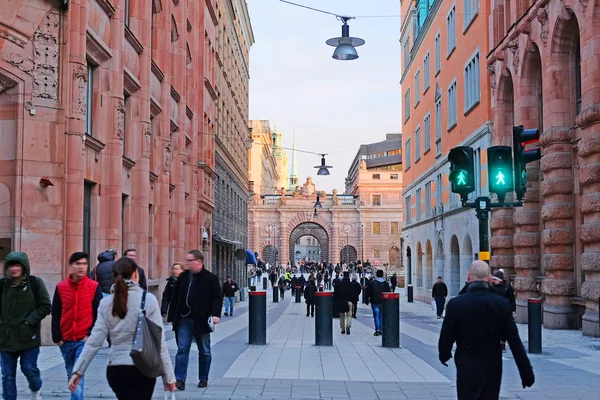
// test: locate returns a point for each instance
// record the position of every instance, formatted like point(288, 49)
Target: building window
point(376, 228)
point(124, 116)
point(376, 176)
point(376, 199)
point(452, 117)
point(428, 199)
point(438, 190)
point(472, 90)
point(451, 28)
point(577, 78)
point(418, 204)
point(376, 253)
point(438, 128)
point(127, 12)
point(418, 144)
point(427, 134)
point(406, 54)
point(407, 211)
point(124, 226)
point(394, 228)
point(87, 215)
point(407, 105)
point(89, 98)
point(407, 154)
point(417, 88)
point(426, 72)
point(394, 176)
point(438, 53)
point(471, 8)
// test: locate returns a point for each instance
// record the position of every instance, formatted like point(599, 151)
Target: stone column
point(334, 246)
point(501, 242)
point(558, 235)
point(527, 243)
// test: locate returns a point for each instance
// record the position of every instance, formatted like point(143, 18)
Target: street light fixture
point(345, 46)
point(323, 169)
point(318, 203)
point(315, 216)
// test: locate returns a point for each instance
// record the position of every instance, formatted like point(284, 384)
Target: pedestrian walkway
point(356, 367)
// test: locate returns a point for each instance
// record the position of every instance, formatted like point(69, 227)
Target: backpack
point(33, 282)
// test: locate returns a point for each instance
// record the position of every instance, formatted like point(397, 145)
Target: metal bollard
point(534, 325)
point(265, 283)
point(257, 315)
point(249, 282)
point(298, 294)
point(253, 288)
point(390, 320)
point(323, 319)
point(242, 294)
point(275, 294)
point(364, 295)
point(409, 292)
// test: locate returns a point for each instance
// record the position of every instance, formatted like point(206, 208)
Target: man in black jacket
point(357, 292)
point(229, 289)
point(132, 253)
point(439, 292)
point(196, 298)
point(309, 296)
point(375, 289)
point(343, 296)
point(477, 321)
point(103, 273)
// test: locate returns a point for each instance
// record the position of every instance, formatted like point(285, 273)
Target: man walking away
point(74, 313)
point(309, 296)
point(394, 282)
point(477, 321)
point(439, 291)
point(24, 303)
point(357, 290)
point(302, 283)
point(281, 285)
point(273, 277)
point(229, 289)
point(344, 296)
point(132, 253)
point(103, 272)
point(294, 283)
point(374, 290)
point(502, 289)
point(196, 298)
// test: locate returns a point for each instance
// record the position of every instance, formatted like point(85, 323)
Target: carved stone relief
point(80, 79)
point(195, 169)
point(146, 149)
point(492, 74)
point(183, 160)
point(542, 17)
point(168, 156)
point(5, 84)
point(119, 118)
point(514, 48)
point(11, 38)
point(42, 66)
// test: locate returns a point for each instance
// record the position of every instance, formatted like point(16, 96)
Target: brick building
point(109, 112)
point(544, 72)
point(443, 45)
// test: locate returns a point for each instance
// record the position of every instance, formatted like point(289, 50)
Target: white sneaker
point(36, 395)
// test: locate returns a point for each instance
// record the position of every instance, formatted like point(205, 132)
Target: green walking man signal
point(462, 171)
point(500, 179)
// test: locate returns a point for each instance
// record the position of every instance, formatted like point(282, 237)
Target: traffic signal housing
point(462, 171)
point(500, 167)
point(521, 138)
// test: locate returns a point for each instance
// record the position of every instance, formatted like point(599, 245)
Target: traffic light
point(500, 167)
point(521, 138)
point(462, 171)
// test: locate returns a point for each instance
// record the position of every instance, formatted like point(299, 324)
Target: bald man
point(478, 321)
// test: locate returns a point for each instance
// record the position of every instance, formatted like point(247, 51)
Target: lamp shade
point(345, 52)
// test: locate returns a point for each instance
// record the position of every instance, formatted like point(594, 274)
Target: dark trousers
point(440, 302)
point(282, 292)
point(310, 309)
point(128, 383)
point(354, 307)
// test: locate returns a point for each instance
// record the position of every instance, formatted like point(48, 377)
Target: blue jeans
point(8, 362)
point(185, 334)
point(229, 301)
point(70, 352)
point(377, 316)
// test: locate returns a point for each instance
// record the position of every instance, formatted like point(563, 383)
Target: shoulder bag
point(145, 351)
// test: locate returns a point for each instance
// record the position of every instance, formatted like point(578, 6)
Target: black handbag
point(146, 348)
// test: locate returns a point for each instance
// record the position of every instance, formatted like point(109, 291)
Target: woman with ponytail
point(117, 317)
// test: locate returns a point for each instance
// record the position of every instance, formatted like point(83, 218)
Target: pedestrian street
point(356, 367)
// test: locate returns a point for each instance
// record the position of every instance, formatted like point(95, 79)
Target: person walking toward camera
point(229, 289)
point(197, 299)
point(118, 316)
point(24, 303)
point(477, 321)
point(439, 292)
point(74, 312)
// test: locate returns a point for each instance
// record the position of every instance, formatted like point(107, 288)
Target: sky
point(332, 106)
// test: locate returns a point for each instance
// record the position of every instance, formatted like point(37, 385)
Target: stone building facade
point(232, 138)
point(444, 44)
point(263, 166)
point(544, 72)
point(108, 119)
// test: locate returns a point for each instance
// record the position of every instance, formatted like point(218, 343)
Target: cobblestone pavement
point(356, 367)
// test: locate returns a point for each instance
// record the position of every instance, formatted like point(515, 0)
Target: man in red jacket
point(74, 312)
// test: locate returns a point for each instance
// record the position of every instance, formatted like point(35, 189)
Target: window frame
point(373, 196)
point(452, 106)
point(438, 52)
point(451, 29)
point(426, 72)
point(373, 224)
point(89, 98)
point(427, 133)
point(418, 144)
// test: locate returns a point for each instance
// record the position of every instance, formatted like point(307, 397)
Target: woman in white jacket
point(117, 317)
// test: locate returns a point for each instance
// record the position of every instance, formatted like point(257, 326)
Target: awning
point(250, 257)
point(221, 239)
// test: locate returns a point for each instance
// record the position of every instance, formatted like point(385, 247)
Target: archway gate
point(309, 229)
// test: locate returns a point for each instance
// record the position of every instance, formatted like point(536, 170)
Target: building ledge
point(128, 162)
point(153, 177)
point(94, 143)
